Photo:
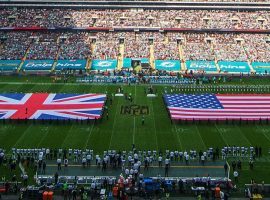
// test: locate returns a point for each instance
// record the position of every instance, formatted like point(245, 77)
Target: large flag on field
point(51, 106)
point(219, 106)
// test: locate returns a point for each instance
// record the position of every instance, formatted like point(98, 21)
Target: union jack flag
point(51, 106)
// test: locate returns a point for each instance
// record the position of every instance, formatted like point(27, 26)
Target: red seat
point(50, 195)
point(2, 190)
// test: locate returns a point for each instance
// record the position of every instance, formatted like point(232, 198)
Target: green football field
point(121, 130)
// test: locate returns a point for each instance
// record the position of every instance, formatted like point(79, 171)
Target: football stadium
point(110, 99)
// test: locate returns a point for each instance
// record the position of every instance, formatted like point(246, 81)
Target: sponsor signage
point(200, 65)
point(234, 66)
point(104, 64)
point(9, 65)
point(70, 64)
point(127, 63)
point(168, 65)
point(261, 67)
point(37, 64)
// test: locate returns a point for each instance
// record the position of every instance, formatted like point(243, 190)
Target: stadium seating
point(226, 19)
point(200, 52)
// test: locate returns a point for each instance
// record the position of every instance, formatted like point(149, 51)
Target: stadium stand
point(224, 49)
point(204, 19)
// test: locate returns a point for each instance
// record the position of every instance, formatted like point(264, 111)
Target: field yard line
point(243, 135)
point(221, 135)
point(67, 136)
point(264, 134)
point(134, 124)
point(154, 123)
point(133, 136)
point(114, 124)
point(181, 146)
point(28, 83)
point(89, 136)
point(200, 136)
point(156, 166)
point(44, 136)
point(22, 136)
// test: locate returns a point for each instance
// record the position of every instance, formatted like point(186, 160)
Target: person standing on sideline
point(66, 162)
point(59, 163)
point(233, 165)
point(251, 164)
point(43, 167)
point(160, 161)
point(226, 168)
point(167, 164)
point(25, 179)
point(88, 158)
point(235, 175)
point(202, 159)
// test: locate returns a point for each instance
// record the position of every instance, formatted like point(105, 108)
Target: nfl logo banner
point(51, 106)
point(218, 107)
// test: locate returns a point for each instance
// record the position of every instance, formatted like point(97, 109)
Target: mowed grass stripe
point(243, 135)
point(210, 135)
point(16, 88)
point(266, 133)
point(190, 137)
point(145, 135)
point(76, 136)
point(102, 132)
point(221, 135)
point(31, 137)
point(122, 129)
point(178, 138)
point(255, 134)
point(232, 135)
point(55, 136)
point(167, 136)
point(10, 134)
point(154, 138)
point(3, 86)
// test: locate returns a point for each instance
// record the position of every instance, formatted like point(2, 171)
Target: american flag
point(51, 106)
point(218, 106)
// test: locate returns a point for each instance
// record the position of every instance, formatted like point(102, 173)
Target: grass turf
point(121, 131)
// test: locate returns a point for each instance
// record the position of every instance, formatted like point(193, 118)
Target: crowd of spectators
point(104, 45)
point(196, 47)
point(75, 46)
point(257, 47)
point(44, 46)
point(165, 48)
point(226, 19)
point(137, 45)
point(13, 45)
point(229, 47)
